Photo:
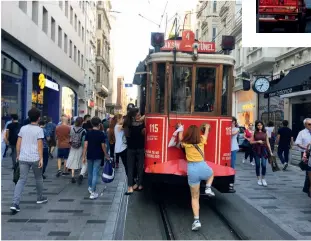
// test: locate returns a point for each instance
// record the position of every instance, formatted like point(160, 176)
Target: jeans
point(93, 167)
point(133, 156)
point(263, 162)
point(283, 153)
point(13, 148)
point(233, 158)
point(24, 170)
point(83, 169)
point(123, 156)
point(45, 159)
point(249, 153)
point(111, 148)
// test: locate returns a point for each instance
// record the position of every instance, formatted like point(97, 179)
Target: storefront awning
point(298, 79)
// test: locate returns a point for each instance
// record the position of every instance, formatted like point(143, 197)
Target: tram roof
point(187, 57)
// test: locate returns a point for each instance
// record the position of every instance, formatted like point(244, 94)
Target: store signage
point(52, 85)
point(41, 81)
point(247, 106)
point(91, 103)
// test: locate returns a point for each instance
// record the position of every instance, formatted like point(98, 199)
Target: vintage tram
point(191, 85)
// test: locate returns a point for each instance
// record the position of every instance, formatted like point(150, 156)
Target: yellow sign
point(247, 106)
point(41, 81)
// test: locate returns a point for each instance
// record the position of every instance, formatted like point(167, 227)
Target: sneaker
point(94, 195)
point(244, 160)
point(209, 192)
point(253, 163)
point(80, 179)
point(42, 200)
point(196, 225)
point(59, 172)
point(15, 208)
point(90, 190)
point(264, 183)
point(73, 180)
point(285, 166)
point(259, 182)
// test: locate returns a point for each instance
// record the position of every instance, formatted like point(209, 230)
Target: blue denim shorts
point(63, 153)
point(197, 172)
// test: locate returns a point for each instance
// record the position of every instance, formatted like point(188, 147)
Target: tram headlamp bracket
point(195, 47)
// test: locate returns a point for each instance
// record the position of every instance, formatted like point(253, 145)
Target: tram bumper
point(175, 172)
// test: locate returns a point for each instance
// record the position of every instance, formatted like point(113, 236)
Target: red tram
point(192, 86)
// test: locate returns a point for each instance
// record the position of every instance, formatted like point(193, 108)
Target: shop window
point(160, 89)
point(205, 84)
point(181, 89)
point(224, 93)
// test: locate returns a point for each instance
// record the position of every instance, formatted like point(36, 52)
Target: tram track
point(174, 228)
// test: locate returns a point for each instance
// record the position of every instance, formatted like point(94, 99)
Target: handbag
point(108, 171)
point(16, 172)
point(274, 164)
point(246, 144)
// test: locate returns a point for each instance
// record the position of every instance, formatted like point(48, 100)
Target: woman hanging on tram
point(198, 170)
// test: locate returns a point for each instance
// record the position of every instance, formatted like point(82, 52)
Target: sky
point(132, 33)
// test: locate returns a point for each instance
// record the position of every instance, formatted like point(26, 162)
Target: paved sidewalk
point(69, 213)
point(283, 201)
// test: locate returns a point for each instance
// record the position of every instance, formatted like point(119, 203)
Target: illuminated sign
point(41, 81)
point(248, 106)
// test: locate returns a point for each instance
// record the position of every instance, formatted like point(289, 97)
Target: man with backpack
point(11, 136)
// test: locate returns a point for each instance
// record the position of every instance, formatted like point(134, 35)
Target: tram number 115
point(154, 128)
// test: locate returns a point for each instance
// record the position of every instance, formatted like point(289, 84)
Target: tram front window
point(205, 89)
point(160, 89)
point(181, 89)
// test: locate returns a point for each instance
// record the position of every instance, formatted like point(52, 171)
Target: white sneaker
point(264, 183)
point(94, 195)
point(253, 163)
point(209, 192)
point(243, 161)
point(259, 182)
point(90, 190)
point(196, 225)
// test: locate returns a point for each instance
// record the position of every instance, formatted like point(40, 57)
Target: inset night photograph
point(283, 16)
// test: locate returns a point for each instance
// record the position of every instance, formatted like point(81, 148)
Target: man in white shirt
point(302, 141)
point(29, 150)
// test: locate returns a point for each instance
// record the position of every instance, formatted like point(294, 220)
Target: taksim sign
point(204, 47)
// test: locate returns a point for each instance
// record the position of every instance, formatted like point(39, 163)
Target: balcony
point(100, 58)
point(204, 25)
point(223, 11)
point(260, 58)
point(101, 89)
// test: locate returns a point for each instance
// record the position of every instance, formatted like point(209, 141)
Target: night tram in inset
point(192, 86)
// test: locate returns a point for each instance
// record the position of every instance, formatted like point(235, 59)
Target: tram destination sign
point(204, 47)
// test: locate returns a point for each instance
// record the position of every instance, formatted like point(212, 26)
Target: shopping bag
point(16, 173)
point(108, 171)
point(274, 164)
point(174, 142)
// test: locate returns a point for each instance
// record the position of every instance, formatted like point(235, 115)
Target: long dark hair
point(263, 126)
point(192, 135)
point(128, 121)
point(235, 120)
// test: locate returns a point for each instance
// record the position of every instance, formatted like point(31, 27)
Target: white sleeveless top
point(269, 131)
point(120, 144)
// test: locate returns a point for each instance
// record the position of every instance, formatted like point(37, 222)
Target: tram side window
point(181, 89)
point(160, 89)
point(205, 86)
point(224, 93)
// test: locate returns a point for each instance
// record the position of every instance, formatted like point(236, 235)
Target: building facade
point(87, 90)
point(102, 56)
point(42, 38)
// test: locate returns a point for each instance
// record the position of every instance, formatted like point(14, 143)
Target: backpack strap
point(199, 150)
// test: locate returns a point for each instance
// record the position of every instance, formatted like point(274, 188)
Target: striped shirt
point(30, 135)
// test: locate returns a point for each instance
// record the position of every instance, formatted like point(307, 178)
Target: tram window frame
point(217, 102)
point(160, 81)
point(149, 88)
point(225, 100)
point(171, 94)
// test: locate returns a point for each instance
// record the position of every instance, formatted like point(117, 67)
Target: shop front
point(245, 107)
point(13, 86)
point(69, 102)
point(45, 95)
point(294, 92)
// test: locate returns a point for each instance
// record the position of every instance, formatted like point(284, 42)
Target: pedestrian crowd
point(83, 146)
point(260, 143)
